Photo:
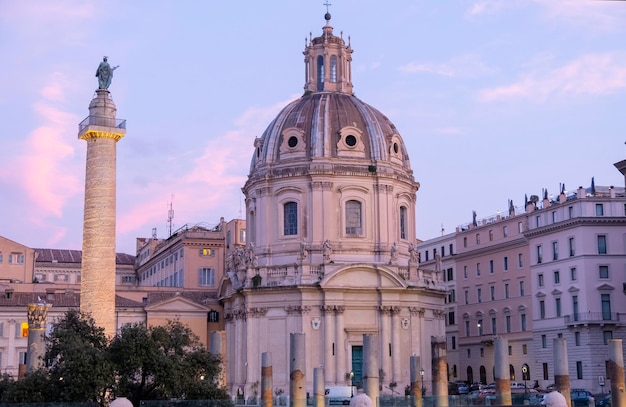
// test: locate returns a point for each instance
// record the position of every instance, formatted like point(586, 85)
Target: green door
point(357, 366)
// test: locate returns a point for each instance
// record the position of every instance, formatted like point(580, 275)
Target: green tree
point(33, 388)
point(163, 362)
point(79, 367)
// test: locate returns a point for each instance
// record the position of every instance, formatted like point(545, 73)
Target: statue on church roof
point(413, 257)
point(328, 251)
point(104, 73)
point(393, 254)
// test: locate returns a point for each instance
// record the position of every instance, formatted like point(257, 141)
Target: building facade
point(330, 215)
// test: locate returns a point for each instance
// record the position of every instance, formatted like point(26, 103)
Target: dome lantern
point(327, 62)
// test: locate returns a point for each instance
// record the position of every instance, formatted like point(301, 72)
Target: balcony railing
point(592, 317)
point(101, 121)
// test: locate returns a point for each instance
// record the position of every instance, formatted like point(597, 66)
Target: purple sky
point(494, 99)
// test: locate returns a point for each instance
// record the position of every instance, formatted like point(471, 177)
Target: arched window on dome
point(320, 73)
point(403, 222)
point(290, 218)
point(333, 68)
point(354, 224)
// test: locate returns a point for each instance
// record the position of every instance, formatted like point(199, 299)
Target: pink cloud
point(211, 188)
point(593, 74)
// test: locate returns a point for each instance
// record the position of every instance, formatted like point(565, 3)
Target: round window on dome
point(292, 142)
point(351, 140)
point(395, 148)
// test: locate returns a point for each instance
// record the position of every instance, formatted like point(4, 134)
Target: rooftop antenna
point(154, 233)
point(170, 216)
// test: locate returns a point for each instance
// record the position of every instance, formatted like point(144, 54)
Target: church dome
point(328, 122)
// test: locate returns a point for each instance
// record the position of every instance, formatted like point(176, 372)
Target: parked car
point(582, 398)
point(462, 387)
point(605, 401)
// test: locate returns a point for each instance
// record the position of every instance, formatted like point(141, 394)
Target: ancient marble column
point(101, 130)
point(503, 375)
point(37, 317)
point(266, 379)
point(297, 369)
point(370, 367)
point(561, 370)
point(616, 369)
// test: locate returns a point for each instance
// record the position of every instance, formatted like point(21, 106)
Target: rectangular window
point(465, 241)
point(557, 305)
point(523, 322)
point(469, 353)
point(464, 271)
point(451, 318)
point(522, 292)
point(450, 249)
point(506, 290)
point(482, 352)
point(0, 257)
point(555, 217)
point(579, 370)
point(491, 235)
point(494, 327)
point(479, 293)
point(443, 251)
point(572, 273)
point(604, 271)
point(242, 236)
point(577, 338)
point(601, 244)
point(353, 218)
point(542, 309)
point(540, 280)
point(520, 260)
point(505, 231)
point(506, 263)
point(575, 307)
point(605, 301)
point(290, 218)
point(546, 376)
point(544, 341)
point(466, 293)
point(525, 349)
point(1, 329)
point(570, 212)
point(403, 223)
point(467, 328)
point(557, 277)
point(539, 254)
point(206, 277)
point(492, 292)
point(599, 209)
point(16, 258)
point(477, 269)
point(450, 274)
point(510, 350)
point(477, 238)
point(207, 252)
point(555, 250)
point(520, 227)
point(480, 327)
point(607, 336)
point(507, 320)
point(490, 266)
point(572, 250)
point(538, 221)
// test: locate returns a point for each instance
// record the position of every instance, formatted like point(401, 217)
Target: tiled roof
point(65, 299)
point(75, 256)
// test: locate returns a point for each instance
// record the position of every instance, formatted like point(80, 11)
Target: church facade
point(330, 218)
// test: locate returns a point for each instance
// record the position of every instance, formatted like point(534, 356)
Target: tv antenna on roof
point(170, 216)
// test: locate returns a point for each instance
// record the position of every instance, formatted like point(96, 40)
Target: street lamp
point(422, 376)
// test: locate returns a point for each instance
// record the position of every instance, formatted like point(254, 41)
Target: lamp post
point(422, 376)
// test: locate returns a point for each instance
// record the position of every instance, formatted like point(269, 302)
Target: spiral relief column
point(101, 130)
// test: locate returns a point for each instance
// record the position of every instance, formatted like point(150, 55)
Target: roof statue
point(104, 73)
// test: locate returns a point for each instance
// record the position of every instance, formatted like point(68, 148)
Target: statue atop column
point(37, 316)
point(104, 73)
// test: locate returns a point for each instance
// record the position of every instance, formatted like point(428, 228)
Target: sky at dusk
point(494, 99)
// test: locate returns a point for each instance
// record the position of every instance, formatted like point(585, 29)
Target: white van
point(339, 395)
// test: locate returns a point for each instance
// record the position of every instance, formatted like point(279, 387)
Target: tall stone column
point(340, 350)
point(371, 380)
point(561, 371)
point(319, 393)
point(616, 369)
point(416, 387)
point(395, 345)
point(503, 375)
point(101, 130)
point(385, 344)
point(297, 369)
point(217, 349)
point(439, 370)
point(329, 329)
point(266, 379)
point(37, 317)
